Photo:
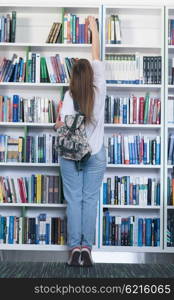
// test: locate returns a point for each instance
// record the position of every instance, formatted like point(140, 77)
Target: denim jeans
point(81, 191)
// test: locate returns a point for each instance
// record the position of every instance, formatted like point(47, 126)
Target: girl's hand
point(58, 124)
point(92, 23)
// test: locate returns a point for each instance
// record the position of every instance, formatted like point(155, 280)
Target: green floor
point(61, 270)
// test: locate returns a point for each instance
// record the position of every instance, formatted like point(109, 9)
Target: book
point(37, 109)
point(132, 69)
point(34, 68)
point(33, 230)
point(131, 190)
point(8, 28)
point(113, 30)
point(131, 149)
point(130, 231)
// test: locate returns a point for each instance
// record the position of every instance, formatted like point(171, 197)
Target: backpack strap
point(76, 106)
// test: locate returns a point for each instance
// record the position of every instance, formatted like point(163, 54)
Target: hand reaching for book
point(92, 23)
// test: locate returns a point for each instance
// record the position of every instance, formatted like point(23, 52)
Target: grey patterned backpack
point(72, 139)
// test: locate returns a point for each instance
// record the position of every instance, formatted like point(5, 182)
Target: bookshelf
point(33, 24)
point(169, 90)
point(135, 22)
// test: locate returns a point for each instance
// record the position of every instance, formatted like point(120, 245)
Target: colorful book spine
point(131, 190)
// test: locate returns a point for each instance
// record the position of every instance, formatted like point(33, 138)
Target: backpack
point(72, 141)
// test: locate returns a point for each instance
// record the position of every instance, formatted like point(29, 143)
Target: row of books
point(170, 109)
point(76, 30)
point(130, 231)
point(8, 28)
point(171, 70)
point(29, 149)
point(133, 110)
point(133, 69)
point(36, 188)
point(131, 190)
point(170, 188)
point(34, 68)
point(55, 34)
point(42, 230)
point(133, 149)
point(171, 149)
point(170, 229)
point(171, 32)
point(113, 31)
point(19, 109)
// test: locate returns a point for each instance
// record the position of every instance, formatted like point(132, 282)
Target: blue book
point(107, 227)
point(128, 189)
point(116, 149)
point(83, 33)
point(124, 113)
point(148, 232)
point(158, 194)
point(133, 151)
point(105, 193)
point(11, 230)
point(47, 236)
point(5, 108)
point(37, 234)
point(145, 153)
point(119, 161)
point(15, 72)
point(15, 108)
point(157, 160)
point(158, 232)
point(122, 232)
point(1, 229)
point(2, 29)
point(140, 232)
point(136, 149)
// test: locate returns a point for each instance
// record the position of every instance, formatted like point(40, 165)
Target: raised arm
point(95, 38)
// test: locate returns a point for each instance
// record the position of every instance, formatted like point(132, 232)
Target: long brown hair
point(82, 87)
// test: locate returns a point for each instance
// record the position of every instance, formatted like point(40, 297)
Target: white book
point(170, 111)
point(50, 70)
point(20, 229)
point(37, 67)
point(47, 147)
point(148, 149)
point(145, 179)
point(65, 28)
point(126, 149)
point(131, 110)
point(42, 112)
point(112, 30)
point(46, 101)
point(117, 29)
point(153, 192)
point(122, 194)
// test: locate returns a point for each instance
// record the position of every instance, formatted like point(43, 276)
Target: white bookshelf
point(168, 128)
point(136, 22)
point(33, 23)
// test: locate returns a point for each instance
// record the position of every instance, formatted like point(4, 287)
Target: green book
point(63, 12)
point(13, 27)
point(146, 108)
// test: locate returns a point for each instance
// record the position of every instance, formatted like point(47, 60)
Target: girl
point(81, 189)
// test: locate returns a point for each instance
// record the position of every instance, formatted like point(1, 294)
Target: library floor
point(99, 270)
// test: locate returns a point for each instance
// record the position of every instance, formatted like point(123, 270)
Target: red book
point(68, 32)
point(20, 192)
point(24, 190)
point(158, 120)
point(77, 29)
point(134, 110)
point(55, 68)
point(86, 31)
point(155, 111)
point(141, 110)
point(1, 110)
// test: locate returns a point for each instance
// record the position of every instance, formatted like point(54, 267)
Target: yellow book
point(109, 30)
point(1, 192)
point(38, 188)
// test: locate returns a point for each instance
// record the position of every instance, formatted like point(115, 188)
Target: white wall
point(97, 2)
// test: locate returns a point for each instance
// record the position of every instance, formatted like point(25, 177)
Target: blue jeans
point(82, 191)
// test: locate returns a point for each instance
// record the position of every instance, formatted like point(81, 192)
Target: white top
point(95, 132)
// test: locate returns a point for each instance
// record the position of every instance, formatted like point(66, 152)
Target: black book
point(149, 191)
